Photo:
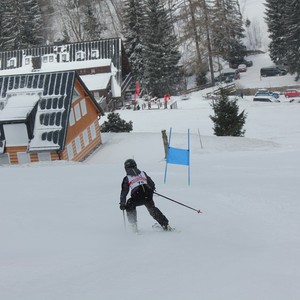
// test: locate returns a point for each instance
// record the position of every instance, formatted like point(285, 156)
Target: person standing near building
point(166, 101)
point(142, 188)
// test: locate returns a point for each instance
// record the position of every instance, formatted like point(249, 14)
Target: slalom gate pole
point(197, 210)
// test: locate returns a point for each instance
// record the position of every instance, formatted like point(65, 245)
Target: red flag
point(137, 88)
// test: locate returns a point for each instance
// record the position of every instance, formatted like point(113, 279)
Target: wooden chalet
point(47, 116)
point(102, 65)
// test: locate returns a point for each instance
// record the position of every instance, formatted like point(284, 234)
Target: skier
point(142, 188)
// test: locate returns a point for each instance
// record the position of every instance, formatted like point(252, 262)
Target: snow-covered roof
point(49, 124)
point(52, 92)
point(58, 66)
point(18, 107)
point(95, 82)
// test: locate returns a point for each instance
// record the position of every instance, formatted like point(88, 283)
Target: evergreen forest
point(166, 40)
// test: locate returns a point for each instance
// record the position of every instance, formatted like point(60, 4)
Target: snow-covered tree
point(21, 24)
point(293, 37)
point(253, 33)
point(227, 119)
point(277, 27)
point(91, 25)
point(161, 50)
point(227, 30)
point(114, 123)
point(134, 26)
point(1, 28)
point(193, 26)
point(11, 25)
point(32, 34)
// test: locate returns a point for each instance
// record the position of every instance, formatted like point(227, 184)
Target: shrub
point(116, 124)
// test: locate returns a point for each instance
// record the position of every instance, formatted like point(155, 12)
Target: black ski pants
point(144, 196)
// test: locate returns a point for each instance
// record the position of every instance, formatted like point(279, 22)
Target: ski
point(158, 228)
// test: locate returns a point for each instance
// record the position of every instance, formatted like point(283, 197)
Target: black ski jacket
point(125, 184)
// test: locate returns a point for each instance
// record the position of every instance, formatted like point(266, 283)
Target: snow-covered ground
point(252, 78)
point(254, 11)
point(63, 236)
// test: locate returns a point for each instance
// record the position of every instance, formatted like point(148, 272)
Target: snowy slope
point(254, 11)
point(63, 236)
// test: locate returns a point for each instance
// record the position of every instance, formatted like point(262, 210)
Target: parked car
point(291, 93)
point(272, 71)
point(242, 68)
point(248, 63)
point(265, 98)
point(235, 64)
point(265, 92)
point(283, 69)
point(228, 75)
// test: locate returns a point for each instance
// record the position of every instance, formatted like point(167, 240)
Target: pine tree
point(293, 37)
point(91, 23)
point(1, 27)
point(116, 124)
point(227, 119)
point(227, 30)
point(277, 27)
point(11, 25)
point(32, 27)
point(161, 50)
point(134, 23)
point(21, 24)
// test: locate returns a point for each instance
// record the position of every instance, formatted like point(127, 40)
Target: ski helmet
point(130, 163)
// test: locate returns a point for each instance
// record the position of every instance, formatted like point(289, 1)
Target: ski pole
point(197, 210)
point(124, 220)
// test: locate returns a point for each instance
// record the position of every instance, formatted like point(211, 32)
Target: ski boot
point(134, 227)
point(167, 228)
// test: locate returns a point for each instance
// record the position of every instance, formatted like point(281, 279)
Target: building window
point(75, 95)
point(23, 158)
point(70, 151)
point(51, 58)
point(93, 71)
point(93, 131)
point(65, 57)
point(4, 159)
point(2, 146)
point(16, 134)
point(96, 94)
point(44, 156)
point(77, 112)
point(27, 61)
point(71, 118)
point(85, 138)
point(95, 54)
point(11, 63)
point(77, 144)
point(80, 55)
point(83, 107)
point(45, 59)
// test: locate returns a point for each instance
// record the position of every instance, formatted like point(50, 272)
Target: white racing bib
point(135, 181)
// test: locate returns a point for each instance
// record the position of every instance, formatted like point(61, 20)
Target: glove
point(122, 206)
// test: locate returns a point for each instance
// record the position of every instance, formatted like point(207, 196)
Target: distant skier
point(142, 188)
